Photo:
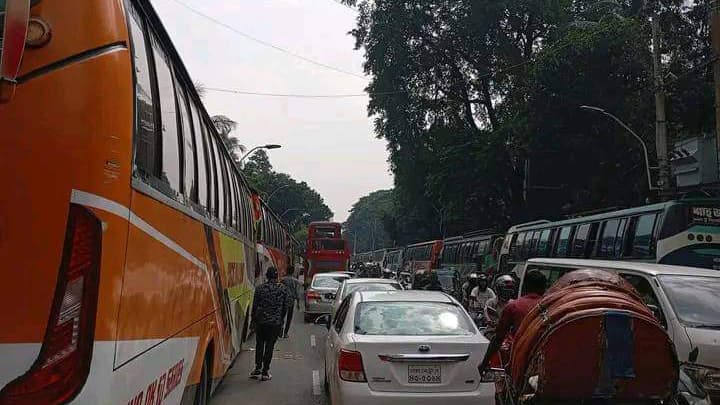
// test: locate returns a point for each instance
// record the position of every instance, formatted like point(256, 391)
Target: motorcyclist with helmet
point(467, 288)
point(504, 287)
point(479, 296)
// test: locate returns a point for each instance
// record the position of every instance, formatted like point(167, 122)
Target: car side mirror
point(324, 320)
point(656, 311)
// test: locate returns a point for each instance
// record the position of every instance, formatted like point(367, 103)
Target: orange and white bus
point(126, 232)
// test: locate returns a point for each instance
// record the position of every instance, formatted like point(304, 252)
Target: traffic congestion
point(480, 229)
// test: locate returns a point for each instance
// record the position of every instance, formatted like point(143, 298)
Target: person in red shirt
point(514, 313)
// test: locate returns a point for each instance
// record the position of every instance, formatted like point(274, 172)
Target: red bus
point(326, 249)
point(422, 257)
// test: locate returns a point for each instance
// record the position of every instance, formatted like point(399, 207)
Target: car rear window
point(351, 288)
point(411, 319)
point(328, 282)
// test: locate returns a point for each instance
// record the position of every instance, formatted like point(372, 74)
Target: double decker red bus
point(326, 249)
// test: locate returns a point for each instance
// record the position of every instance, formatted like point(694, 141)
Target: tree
point(299, 203)
point(371, 220)
point(478, 101)
point(225, 126)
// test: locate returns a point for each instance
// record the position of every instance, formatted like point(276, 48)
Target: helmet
point(505, 287)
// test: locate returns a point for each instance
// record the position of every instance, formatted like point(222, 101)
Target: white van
point(686, 300)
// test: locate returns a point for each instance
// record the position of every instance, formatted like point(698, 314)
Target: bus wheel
point(202, 395)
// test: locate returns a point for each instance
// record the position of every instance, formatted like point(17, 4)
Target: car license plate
point(423, 374)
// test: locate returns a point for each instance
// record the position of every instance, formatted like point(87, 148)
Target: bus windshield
point(694, 298)
point(329, 244)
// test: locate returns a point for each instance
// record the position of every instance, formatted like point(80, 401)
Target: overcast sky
point(329, 143)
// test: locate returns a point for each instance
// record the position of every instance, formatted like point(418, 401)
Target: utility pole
point(715, 35)
point(660, 118)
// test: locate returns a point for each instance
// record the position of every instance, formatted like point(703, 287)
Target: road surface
point(297, 370)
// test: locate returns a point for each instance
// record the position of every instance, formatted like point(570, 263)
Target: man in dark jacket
point(268, 312)
point(292, 285)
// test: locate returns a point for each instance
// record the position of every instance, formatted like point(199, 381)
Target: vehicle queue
point(652, 280)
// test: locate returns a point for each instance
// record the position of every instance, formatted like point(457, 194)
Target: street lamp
point(622, 124)
point(268, 146)
point(267, 200)
point(289, 210)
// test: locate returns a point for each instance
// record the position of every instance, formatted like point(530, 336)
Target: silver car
point(363, 284)
point(320, 294)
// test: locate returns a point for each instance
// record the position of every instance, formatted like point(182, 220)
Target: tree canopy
point(479, 102)
point(295, 202)
point(370, 217)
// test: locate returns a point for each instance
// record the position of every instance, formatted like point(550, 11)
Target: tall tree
point(225, 126)
point(370, 222)
point(479, 100)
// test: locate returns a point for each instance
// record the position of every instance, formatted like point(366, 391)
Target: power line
point(265, 43)
point(256, 93)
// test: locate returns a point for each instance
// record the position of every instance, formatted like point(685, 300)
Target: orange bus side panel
point(76, 26)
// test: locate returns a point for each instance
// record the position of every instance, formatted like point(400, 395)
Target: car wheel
point(202, 394)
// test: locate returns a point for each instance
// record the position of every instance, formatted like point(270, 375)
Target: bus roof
point(324, 223)
point(429, 242)
point(653, 269)
point(598, 217)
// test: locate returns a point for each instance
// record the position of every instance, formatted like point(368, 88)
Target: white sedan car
point(404, 347)
point(351, 285)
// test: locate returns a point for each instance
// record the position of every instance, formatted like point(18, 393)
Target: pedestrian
point(435, 284)
point(268, 312)
point(292, 285)
point(514, 313)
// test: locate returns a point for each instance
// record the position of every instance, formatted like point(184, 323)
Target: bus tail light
point(16, 19)
point(62, 367)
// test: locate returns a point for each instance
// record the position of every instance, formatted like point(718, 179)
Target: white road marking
point(312, 341)
point(316, 382)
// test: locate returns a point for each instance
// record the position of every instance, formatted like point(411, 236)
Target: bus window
point(202, 180)
point(518, 246)
point(580, 240)
point(226, 187)
point(146, 140)
point(607, 239)
point(189, 172)
point(543, 243)
point(643, 241)
point(168, 117)
point(212, 172)
point(534, 244)
point(219, 174)
point(619, 245)
point(563, 244)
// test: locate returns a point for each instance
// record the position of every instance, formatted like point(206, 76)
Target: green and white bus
point(680, 232)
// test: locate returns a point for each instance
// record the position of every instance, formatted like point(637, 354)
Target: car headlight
point(706, 377)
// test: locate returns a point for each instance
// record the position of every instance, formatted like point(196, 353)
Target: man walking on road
point(268, 312)
point(292, 285)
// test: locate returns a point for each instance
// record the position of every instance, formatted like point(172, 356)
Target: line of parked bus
point(681, 232)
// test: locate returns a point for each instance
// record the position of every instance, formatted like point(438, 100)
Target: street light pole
point(627, 128)
point(289, 210)
point(250, 152)
point(267, 200)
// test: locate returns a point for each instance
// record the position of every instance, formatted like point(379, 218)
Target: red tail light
point(17, 16)
point(62, 367)
point(350, 365)
point(313, 295)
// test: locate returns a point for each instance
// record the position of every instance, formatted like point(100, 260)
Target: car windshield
point(351, 288)
point(328, 281)
point(411, 318)
point(695, 299)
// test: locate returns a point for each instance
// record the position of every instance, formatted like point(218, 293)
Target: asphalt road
point(297, 369)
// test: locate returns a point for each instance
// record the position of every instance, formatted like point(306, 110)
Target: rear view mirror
point(323, 320)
